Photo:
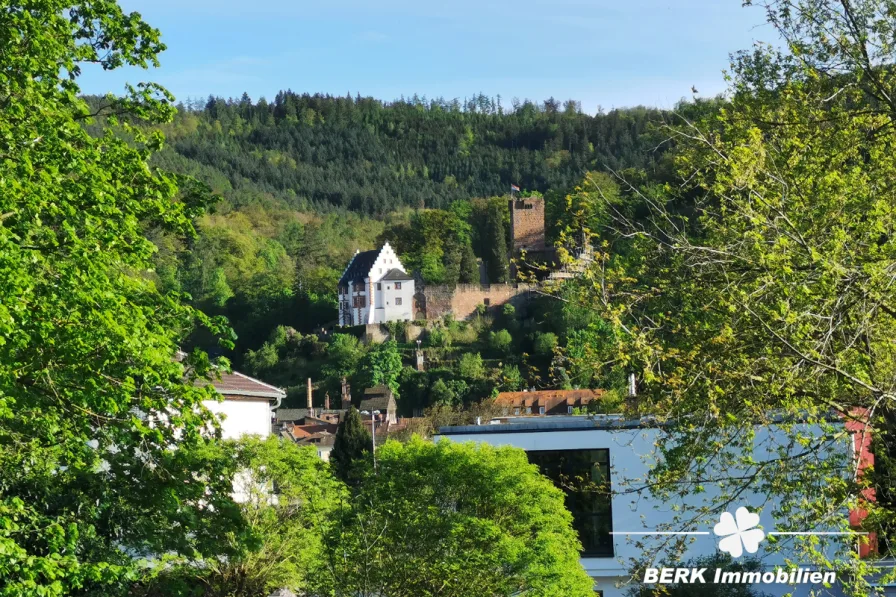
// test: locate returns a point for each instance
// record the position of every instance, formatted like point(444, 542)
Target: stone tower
point(526, 224)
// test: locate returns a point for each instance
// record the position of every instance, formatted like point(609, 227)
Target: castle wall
point(461, 300)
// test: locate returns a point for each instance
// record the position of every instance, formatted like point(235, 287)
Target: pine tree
point(469, 269)
point(351, 446)
point(496, 254)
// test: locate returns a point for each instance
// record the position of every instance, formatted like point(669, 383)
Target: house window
point(359, 287)
point(381, 270)
point(541, 410)
point(487, 302)
point(360, 301)
point(398, 286)
point(528, 410)
point(379, 286)
point(398, 300)
point(516, 411)
point(584, 476)
point(569, 409)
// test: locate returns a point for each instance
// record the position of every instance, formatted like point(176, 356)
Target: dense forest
point(320, 153)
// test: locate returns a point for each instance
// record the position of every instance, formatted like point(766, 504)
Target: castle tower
point(526, 224)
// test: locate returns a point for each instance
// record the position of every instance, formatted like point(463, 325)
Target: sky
point(603, 53)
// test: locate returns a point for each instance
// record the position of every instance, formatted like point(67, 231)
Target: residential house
point(380, 398)
point(375, 288)
point(546, 402)
point(247, 405)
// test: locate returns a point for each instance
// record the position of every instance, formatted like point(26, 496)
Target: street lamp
point(372, 431)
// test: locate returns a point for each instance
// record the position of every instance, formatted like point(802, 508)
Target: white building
point(375, 288)
point(247, 406)
point(619, 454)
point(245, 410)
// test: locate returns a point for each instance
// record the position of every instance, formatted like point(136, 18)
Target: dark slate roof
point(378, 398)
point(359, 267)
point(290, 414)
point(380, 390)
point(397, 274)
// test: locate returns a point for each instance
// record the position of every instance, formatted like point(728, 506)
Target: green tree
point(470, 366)
point(545, 343)
point(91, 397)
point(431, 501)
point(500, 342)
point(344, 353)
point(469, 267)
point(763, 285)
point(496, 255)
point(290, 500)
point(351, 446)
point(439, 393)
point(381, 366)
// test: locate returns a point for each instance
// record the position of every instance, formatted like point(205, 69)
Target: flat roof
point(547, 423)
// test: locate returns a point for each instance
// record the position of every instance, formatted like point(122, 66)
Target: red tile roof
point(557, 401)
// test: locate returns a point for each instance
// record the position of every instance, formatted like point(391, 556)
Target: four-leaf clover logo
point(739, 534)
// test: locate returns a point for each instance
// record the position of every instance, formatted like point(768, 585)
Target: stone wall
point(435, 302)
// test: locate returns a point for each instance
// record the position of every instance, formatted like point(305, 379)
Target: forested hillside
point(323, 153)
point(304, 181)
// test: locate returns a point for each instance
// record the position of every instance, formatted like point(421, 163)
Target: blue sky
point(602, 53)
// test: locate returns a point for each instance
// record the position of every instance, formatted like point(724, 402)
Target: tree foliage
point(457, 520)
point(92, 400)
point(760, 287)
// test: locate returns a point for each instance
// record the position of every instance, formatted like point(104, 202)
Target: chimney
point(327, 401)
point(345, 400)
point(310, 406)
point(631, 401)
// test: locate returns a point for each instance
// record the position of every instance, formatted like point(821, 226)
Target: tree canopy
point(92, 400)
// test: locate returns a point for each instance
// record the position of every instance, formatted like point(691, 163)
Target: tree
point(469, 366)
point(496, 254)
point(350, 446)
point(545, 343)
point(288, 530)
point(431, 501)
point(344, 352)
point(500, 341)
point(760, 287)
point(439, 393)
point(469, 267)
point(381, 366)
point(92, 398)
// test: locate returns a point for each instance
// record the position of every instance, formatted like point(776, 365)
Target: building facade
point(611, 458)
point(375, 288)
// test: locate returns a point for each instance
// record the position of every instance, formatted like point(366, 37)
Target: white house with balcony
point(375, 288)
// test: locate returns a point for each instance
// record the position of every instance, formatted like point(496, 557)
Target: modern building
point(375, 288)
point(601, 462)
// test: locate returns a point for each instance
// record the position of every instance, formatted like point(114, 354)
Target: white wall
point(632, 452)
point(242, 417)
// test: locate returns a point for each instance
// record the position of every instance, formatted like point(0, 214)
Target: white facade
point(632, 451)
point(375, 288)
point(242, 417)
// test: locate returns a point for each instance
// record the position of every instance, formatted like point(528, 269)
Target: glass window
point(398, 286)
point(541, 410)
point(379, 286)
point(584, 476)
point(569, 409)
point(398, 300)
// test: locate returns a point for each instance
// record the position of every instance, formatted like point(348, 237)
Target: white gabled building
point(375, 288)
